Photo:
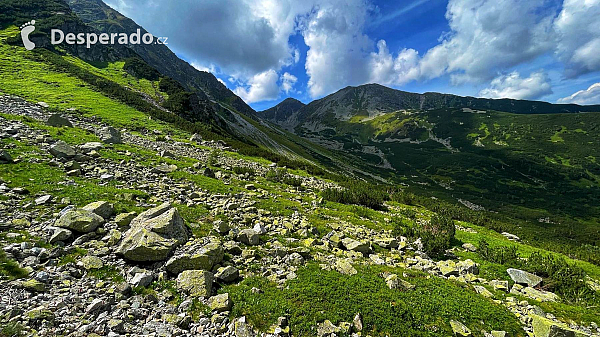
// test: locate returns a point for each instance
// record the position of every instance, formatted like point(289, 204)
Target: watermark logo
point(57, 36)
point(27, 29)
point(90, 39)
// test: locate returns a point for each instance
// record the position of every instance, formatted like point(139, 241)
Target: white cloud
point(261, 87)
point(513, 86)
point(578, 29)
point(488, 36)
point(210, 69)
point(385, 69)
point(287, 82)
point(338, 46)
point(584, 97)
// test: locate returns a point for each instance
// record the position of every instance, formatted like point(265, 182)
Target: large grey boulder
point(58, 120)
point(62, 150)
point(523, 277)
point(153, 235)
point(79, 220)
point(110, 135)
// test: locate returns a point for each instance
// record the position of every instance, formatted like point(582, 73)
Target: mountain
point(372, 100)
point(282, 111)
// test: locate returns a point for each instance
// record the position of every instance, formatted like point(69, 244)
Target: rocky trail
point(88, 267)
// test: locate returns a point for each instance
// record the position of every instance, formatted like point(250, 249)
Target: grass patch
point(317, 295)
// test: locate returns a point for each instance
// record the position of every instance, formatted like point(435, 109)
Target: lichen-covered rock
point(227, 274)
point(524, 278)
point(110, 135)
point(220, 303)
point(124, 219)
point(34, 285)
point(60, 234)
point(345, 267)
point(102, 208)
point(356, 246)
point(153, 235)
point(79, 220)
point(543, 327)
point(460, 329)
point(196, 283)
point(248, 237)
point(91, 262)
point(196, 256)
point(62, 150)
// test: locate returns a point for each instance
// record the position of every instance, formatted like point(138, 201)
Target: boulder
point(142, 279)
point(62, 150)
point(91, 262)
point(91, 146)
point(523, 277)
point(220, 303)
point(164, 168)
point(153, 235)
point(196, 283)
point(543, 327)
point(124, 219)
point(110, 135)
point(101, 208)
point(248, 236)
point(60, 234)
point(227, 274)
point(196, 138)
point(79, 220)
point(196, 256)
point(5, 157)
point(345, 267)
point(58, 120)
point(394, 282)
point(356, 246)
point(221, 227)
point(327, 329)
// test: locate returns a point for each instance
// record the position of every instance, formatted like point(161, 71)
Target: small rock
point(227, 274)
point(141, 280)
point(5, 157)
point(101, 208)
point(220, 303)
point(248, 236)
point(459, 329)
point(91, 262)
point(196, 283)
point(469, 247)
point(79, 220)
point(124, 219)
point(62, 150)
point(43, 200)
point(58, 120)
point(110, 135)
point(95, 306)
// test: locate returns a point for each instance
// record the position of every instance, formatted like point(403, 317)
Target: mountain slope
point(103, 18)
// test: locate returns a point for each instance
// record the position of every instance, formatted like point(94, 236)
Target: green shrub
point(501, 255)
point(140, 69)
point(213, 157)
point(241, 170)
point(12, 329)
point(436, 236)
point(358, 193)
point(281, 175)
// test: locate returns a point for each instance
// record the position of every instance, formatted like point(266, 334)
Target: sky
point(268, 50)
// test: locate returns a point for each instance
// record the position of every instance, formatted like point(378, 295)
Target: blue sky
point(268, 50)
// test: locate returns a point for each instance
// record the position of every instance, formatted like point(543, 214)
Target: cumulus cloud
point(578, 30)
point(584, 97)
point(514, 86)
point(337, 45)
point(261, 87)
point(236, 35)
point(287, 82)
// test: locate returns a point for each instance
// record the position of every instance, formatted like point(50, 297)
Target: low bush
point(436, 236)
point(358, 193)
point(242, 170)
point(281, 175)
point(560, 277)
